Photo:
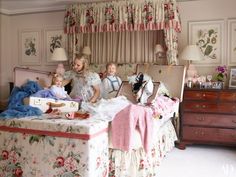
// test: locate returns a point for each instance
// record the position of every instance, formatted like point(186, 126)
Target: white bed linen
point(107, 109)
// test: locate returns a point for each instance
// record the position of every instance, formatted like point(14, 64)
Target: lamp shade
point(192, 53)
point(158, 49)
point(59, 54)
point(86, 50)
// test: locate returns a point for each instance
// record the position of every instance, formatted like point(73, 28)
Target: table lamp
point(86, 51)
point(191, 53)
point(159, 50)
point(59, 54)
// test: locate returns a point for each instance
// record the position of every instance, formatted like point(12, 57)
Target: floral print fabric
point(122, 16)
point(24, 154)
point(138, 163)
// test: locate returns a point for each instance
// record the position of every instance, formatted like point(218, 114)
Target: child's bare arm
point(65, 82)
point(96, 94)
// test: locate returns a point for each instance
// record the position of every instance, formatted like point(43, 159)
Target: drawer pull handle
point(203, 94)
point(202, 133)
point(201, 119)
point(197, 106)
point(234, 121)
point(203, 106)
point(233, 135)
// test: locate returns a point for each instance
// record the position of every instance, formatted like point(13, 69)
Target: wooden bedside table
point(208, 116)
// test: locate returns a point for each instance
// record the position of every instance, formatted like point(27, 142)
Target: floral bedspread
point(30, 149)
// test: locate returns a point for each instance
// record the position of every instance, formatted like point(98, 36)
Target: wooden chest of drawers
point(208, 116)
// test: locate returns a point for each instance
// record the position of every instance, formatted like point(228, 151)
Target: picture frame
point(209, 36)
point(232, 78)
point(54, 38)
point(30, 47)
point(231, 42)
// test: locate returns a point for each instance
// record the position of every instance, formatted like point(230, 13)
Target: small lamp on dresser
point(191, 53)
point(59, 55)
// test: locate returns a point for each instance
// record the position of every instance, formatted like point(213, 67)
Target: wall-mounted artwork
point(209, 36)
point(30, 47)
point(232, 42)
point(232, 78)
point(54, 38)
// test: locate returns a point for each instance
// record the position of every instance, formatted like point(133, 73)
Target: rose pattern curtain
point(126, 15)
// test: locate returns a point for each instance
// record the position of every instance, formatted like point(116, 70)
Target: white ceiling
point(11, 7)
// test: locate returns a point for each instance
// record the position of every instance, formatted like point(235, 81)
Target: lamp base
point(191, 73)
point(60, 69)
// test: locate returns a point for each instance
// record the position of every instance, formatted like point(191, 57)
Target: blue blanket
point(16, 107)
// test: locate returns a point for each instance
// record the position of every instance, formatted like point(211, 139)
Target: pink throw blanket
point(126, 121)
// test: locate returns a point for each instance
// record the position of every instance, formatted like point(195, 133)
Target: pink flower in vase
point(221, 73)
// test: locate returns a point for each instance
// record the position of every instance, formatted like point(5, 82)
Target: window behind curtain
point(122, 47)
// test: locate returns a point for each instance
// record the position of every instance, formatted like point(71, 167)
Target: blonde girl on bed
point(57, 87)
point(85, 83)
point(111, 83)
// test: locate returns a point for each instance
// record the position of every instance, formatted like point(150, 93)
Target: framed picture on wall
point(54, 38)
point(209, 36)
point(232, 78)
point(30, 47)
point(232, 42)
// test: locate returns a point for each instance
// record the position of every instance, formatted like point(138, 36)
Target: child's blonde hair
point(110, 64)
point(55, 77)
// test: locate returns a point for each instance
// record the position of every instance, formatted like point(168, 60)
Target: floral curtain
point(126, 15)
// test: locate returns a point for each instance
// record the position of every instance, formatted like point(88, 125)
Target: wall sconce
point(191, 53)
point(59, 54)
point(159, 51)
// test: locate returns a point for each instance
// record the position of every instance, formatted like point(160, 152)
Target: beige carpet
point(199, 161)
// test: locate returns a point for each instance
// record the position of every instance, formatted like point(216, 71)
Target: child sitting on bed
point(111, 83)
point(57, 87)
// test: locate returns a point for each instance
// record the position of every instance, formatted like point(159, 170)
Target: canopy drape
point(126, 15)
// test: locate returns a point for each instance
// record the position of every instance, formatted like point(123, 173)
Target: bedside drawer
point(193, 106)
point(213, 120)
point(229, 108)
point(228, 96)
point(198, 95)
point(207, 135)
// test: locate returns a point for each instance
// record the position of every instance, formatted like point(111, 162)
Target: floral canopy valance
point(125, 15)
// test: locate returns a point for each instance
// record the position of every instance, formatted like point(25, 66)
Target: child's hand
point(93, 101)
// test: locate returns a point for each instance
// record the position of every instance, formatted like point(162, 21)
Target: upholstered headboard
point(21, 75)
point(171, 76)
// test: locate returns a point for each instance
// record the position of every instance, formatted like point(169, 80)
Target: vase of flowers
point(221, 75)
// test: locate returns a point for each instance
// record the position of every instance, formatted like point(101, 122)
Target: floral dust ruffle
point(137, 163)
